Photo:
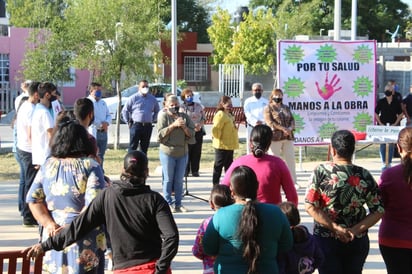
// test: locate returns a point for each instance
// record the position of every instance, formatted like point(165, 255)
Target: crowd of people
point(82, 213)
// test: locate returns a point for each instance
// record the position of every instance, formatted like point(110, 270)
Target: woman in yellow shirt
point(225, 137)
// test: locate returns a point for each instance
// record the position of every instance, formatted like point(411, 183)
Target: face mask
point(52, 98)
point(258, 95)
point(98, 93)
point(388, 93)
point(277, 100)
point(189, 100)
point(174, 110)
point(144, 90)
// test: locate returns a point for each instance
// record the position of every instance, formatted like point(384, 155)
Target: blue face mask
point(98, 93)
point(189, 99)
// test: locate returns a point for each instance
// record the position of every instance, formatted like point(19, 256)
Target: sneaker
point(181, 209)
point(29, 222)
point(172, 209)
point(195, 174)
point(297, 186)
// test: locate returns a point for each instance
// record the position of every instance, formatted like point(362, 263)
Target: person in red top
point(395, 230)
point(271, 171)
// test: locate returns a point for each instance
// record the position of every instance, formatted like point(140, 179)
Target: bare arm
point(366, 223)
point(342, 233)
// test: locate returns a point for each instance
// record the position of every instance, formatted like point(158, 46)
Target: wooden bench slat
point(237, 112)
point(11, 258)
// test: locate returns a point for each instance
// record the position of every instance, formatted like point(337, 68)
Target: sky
point(231, 5)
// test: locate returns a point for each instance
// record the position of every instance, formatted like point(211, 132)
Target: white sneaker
point(297, 186)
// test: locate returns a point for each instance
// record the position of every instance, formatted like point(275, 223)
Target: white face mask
point(144, 90)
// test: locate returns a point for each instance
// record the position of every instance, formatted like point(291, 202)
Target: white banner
point(328, 85)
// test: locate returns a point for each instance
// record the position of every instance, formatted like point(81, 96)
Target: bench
point(13, 258)
point(237, 112)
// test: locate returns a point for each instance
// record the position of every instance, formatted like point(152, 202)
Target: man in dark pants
point(140, 112)
point(24, 148)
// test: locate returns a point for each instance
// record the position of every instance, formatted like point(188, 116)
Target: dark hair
point(62, 117)
point(245, 185)
point(405, 142)
point(94, 85)
point(184, 93)
point(300, 234)
point(223, 100)
point(46, 87)
point(33, 88)
point(260, 139)
point(291, 212)
point(221, 196)
point(71, 140)
point(135, 165)
point(344, 143)
point(83, 107)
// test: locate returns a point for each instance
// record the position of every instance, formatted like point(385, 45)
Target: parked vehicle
point(159, 90)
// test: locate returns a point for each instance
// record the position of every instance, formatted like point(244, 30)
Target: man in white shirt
point(24, 149)
point(42, 124)
point(25, 93)
point(253, 109)
point(102, 119)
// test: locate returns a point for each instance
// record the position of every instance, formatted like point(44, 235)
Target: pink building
point(12, 50)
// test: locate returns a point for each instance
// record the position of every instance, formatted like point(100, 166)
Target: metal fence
point(7, 97)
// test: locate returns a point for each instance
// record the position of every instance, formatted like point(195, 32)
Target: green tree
point(116, 40)
point(251, 43)
point(192, 16)
point(35, 13)
point(373, 19)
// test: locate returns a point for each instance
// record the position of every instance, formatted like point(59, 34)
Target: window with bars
point(195, 68)
point(4, 71)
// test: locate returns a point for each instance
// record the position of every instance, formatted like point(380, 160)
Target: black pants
point(29, 174)
point(140, 136)
point(195, 152)
point(223, 158)
point(397, 260)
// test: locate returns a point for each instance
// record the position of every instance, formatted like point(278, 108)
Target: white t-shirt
point(23, 122)
point(254, 109)
point(18, 100)
point(42, 120)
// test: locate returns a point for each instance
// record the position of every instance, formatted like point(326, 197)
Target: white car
point(158, 90)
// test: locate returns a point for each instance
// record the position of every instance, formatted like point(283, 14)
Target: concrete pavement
point(13, 236)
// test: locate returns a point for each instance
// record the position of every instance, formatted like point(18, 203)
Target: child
point(305, 255)
point(220, 196)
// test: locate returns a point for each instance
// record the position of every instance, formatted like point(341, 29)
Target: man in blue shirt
point(140, 112)
point(102, 119)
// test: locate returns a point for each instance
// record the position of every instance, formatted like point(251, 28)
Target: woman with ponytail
point(246, 237)
point(142, 230)
point(395, 230)
point(271, 171)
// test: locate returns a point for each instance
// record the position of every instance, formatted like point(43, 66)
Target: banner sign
point(328, 85)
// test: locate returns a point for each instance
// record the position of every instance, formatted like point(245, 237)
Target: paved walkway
point(13, 236)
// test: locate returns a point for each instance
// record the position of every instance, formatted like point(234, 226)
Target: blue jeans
point(173, 170)
point(341, 258)
point(101, 140)
point(20, 197)
point(140, 135)
point(382, 152)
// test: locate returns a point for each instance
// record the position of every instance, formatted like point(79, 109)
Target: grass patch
point(113, 162)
